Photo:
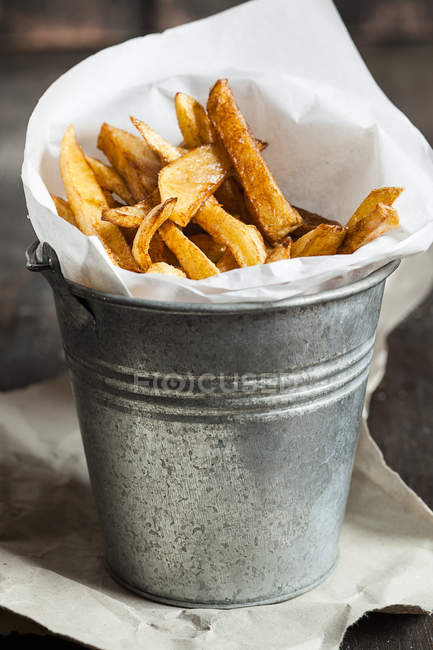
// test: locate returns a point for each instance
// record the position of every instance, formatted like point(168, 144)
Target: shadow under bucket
point(220, 438)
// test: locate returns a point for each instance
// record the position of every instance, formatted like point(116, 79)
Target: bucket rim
point(369, 281)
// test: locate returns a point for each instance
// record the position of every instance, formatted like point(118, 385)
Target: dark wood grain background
point(395, 38)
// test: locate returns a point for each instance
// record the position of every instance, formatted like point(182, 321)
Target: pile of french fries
point(204, 207)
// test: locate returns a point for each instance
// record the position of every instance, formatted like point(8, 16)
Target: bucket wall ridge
point(279, 342)
point(188, 394)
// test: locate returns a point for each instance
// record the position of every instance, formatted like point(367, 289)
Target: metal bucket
point(219, 438)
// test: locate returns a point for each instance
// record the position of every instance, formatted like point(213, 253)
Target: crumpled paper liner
point(333, 136)
point(51, 564)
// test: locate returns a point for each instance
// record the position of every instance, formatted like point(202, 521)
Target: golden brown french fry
point(110, 180)
point(311, 221)
point(244, 241)
point(85, 197)
point(280, 251)
point(323, 240)
point(148, 227)
point(227, 262)
point(272, 213)
point(159, 145)
point(87, 202)
point(380, 220)
point(195, 124)
point(386, 195)
point(193, 121)
point(126, 216)
point(132, 158)
point(192, 179)
point(131, 216)
point(193, 261)
point(117, 246)
point(64, 210)
point(166, 269)
point(211, 248)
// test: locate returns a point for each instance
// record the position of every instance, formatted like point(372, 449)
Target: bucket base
point(190, 604)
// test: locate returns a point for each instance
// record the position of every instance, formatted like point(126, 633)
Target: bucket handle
point(42, 257)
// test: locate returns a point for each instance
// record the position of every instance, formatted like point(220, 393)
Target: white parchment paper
point(51, 564)
point(333, 136)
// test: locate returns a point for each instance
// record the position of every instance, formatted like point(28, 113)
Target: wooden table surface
point(30, 348)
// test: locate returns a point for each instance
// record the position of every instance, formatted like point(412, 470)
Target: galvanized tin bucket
point(219, 438)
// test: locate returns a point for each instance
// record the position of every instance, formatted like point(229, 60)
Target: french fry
point(323, 240)
point(110, 180)
point(227, 262)
point(131, 216)
point(193, 121)
point(195, 124)
point(117, 246)
point(166, 269)
point(126, 216)
point(310, 221)
point(245, 242)
point(380, 220)
point(148, 227)
point(64, 210)
point(386, 195)
point(132, 158)
point(193, 261)
point(87, 202)
point(192, 179)
point(159, 145)
point(280, 251)
point(85, 197)
point(272, 213)
point(211, 248)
